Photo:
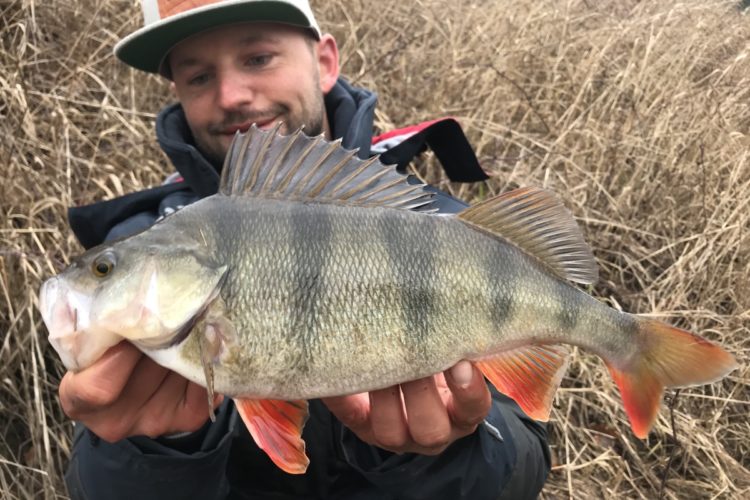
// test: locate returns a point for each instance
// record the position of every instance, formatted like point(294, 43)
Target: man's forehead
point(242, 35)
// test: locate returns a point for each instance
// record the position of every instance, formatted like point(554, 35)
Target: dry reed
point(637, 113)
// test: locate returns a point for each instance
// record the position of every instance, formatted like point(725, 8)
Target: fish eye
point(103, 264)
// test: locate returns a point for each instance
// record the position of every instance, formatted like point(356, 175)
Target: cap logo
point(169, 8)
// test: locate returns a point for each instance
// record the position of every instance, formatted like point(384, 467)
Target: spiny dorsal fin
point(266, 164)
point(536, 221)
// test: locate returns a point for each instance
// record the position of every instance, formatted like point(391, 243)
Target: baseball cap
point(168, 22)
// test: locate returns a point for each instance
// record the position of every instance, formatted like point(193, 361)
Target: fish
point(314, 273)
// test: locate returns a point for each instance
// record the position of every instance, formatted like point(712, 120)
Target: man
point(144, 431)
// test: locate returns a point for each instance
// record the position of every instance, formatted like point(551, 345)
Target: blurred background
point(636, 113)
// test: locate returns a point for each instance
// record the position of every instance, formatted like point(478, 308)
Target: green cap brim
point(147, 48)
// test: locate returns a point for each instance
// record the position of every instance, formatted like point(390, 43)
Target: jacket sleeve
point(190, 466)
point(126, 215)
point(508, 458)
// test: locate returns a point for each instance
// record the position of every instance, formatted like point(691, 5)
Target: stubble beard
point(311, 121)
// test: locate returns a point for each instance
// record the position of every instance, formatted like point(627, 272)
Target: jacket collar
point(351, 112)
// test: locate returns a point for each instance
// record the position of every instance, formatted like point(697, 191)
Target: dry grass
point(637, 113)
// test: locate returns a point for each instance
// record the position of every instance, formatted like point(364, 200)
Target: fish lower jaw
point(67, 347)
point(82, 348)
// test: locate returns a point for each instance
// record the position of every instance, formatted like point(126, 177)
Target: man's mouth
point(244, 127)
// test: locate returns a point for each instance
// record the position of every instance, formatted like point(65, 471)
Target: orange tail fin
point(668, 357)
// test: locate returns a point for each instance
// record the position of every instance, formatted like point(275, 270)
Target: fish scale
point(313, 273)
point(288, 305)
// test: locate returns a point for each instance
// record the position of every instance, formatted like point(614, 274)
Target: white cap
point(167, 22)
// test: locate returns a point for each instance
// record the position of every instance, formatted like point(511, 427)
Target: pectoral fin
point(529, 374)
point(210, 343)
point(276, 427)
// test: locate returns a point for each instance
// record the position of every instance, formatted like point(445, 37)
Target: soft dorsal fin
point(536, 221)
point(265, 164)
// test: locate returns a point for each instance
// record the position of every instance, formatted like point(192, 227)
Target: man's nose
point(233, 92)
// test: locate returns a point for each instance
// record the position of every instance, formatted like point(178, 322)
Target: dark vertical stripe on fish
point(502, 292)
point(570, 307)
point(412, 262)
point(311, 244)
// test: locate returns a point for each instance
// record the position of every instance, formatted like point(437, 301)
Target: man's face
point(233, 76)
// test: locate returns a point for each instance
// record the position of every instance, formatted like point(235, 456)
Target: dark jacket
point(506, 457)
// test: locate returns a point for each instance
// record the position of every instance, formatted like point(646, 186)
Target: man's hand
point(424, 416)
point(126, 394)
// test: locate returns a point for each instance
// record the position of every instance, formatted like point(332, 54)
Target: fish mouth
point(65, 312)
point(61, 320)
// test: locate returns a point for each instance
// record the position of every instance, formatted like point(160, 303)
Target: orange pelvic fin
point(668, 357)
point(529, 374)
point(276, 427)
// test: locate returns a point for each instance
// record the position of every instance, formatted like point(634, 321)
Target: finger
point(159, 414)
point(121, 419)
point(442, 386)
point(471, 399)
point(426, 414)
point(178, 405)
point(101, 384)
point(195, 399)
point(387, 419)
point(147, 378)
point(192, 411)
point(353, 411)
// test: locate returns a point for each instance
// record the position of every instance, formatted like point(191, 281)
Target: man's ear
point(173, 88)
point(328, 62)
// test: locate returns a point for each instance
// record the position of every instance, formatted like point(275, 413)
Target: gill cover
point(167, 293)
point(149, 294)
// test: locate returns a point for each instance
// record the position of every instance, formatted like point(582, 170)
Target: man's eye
point(261, 60)
point(198, 80)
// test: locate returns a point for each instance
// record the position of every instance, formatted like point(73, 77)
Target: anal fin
point(276, 427)
point(529, 374)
